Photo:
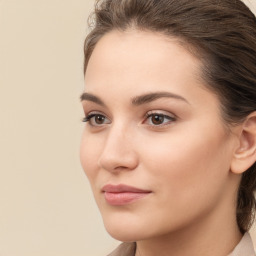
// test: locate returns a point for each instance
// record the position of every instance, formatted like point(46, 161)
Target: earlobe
point(245, 154)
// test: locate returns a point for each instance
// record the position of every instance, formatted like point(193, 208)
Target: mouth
point(121, 194)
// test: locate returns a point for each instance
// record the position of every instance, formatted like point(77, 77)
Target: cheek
point(89, 154)
point(188, 175)
point(186, 167)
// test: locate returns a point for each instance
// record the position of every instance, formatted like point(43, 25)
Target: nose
point(118, 152)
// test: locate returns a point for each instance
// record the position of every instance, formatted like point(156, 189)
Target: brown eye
point(157, 119)
point(99, 119)
point(96, 119)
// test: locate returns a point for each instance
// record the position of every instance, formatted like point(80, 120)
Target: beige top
point(244, 248)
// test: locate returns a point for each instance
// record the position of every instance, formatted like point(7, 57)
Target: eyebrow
point(149, 97)
point(90, 97)
point(138, 100)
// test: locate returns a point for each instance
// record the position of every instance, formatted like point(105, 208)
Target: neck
point(213, 234)
point(193, 242)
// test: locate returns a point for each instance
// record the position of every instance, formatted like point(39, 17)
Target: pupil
point(157, 119)
point(99, 119)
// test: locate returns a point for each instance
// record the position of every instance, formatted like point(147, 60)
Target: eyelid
point(168, 119)
point(94, 112)
point(91, 115)
point(161, 112)
point(167, 115)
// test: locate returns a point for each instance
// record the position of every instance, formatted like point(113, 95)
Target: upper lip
point(121, 188)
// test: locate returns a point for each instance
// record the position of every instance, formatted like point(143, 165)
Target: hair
point(222, 34)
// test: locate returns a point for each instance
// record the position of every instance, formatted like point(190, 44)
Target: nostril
point(116, 163)
point(118, 152)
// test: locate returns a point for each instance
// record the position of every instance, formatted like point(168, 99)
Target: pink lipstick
point(123, 194)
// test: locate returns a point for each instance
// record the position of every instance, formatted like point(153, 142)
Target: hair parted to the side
point(222, 35)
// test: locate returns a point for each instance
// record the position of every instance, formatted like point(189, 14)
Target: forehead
point(133, 55)
point(124, 65)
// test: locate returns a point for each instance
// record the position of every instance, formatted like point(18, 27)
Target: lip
point(123, 194)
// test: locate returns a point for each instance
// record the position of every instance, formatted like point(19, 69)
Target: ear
point(245, 154)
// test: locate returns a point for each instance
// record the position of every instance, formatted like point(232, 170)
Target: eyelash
point(92, 115)
point(163, 116)
point(148, 115)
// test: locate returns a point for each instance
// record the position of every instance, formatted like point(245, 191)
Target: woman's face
point(154, 147)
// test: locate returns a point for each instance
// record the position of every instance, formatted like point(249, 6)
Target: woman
point(169, 145)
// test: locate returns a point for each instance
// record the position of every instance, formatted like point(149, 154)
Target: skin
point(184, 162)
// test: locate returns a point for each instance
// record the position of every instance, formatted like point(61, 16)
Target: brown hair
point(221, 33)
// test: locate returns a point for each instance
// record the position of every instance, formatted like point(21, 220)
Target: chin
point(124, 235)
point(124, 230)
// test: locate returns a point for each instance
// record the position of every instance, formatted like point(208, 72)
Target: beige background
point(46, 204)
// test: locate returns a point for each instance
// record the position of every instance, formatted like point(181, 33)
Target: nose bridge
point(115, 140)
point(118, 150)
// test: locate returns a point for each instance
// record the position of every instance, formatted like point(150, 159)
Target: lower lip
point(123, 198)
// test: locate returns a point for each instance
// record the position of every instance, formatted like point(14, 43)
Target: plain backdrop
point(46, 206)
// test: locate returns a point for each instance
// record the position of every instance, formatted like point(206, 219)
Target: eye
point(159, 119)
point(96, 119)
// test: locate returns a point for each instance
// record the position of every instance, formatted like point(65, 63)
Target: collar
point(244, 248)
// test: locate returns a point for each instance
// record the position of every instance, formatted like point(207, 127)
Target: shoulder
point(124, 249)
